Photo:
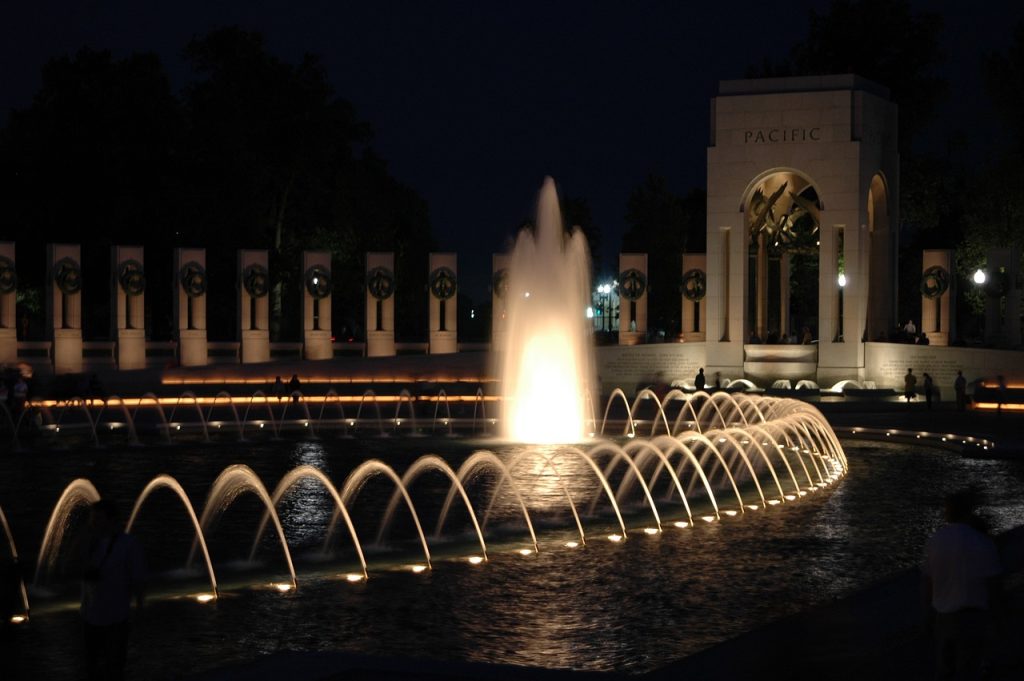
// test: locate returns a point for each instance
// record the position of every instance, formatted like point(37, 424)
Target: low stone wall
point(886, 364)
point(625, 367)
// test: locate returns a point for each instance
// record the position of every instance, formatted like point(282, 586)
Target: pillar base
point(443, 342)
point(192, 348)
point(8, 346)
point(318, 345)
point(67, 351)
point(380, 343)
point(631, 337)
point(131, 349)
point(255, 346)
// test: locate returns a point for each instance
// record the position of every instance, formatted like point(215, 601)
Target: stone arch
point(781, 210)
point(877, 266)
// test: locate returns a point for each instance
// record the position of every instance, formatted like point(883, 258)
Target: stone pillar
point(128, 289)
point(316, 304)
point(441, 295)
point(64, 303)
point(784, 329)
point(694, 289)
point(937, 296)
point(1002, 326)
point(190, 285)
point(632, 298)
point(8, 304)
point(254, 306)
point(499, 300)
point(761, 288)
point(380, 304)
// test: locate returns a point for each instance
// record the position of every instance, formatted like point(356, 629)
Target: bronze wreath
point(192, 276)
point(934, 282)
point(443, 283)
point(132, 277)
point(380, 282)
point(632, 284)
point(256, 280)
point(694, 285)
point(8, 275)
point(499, 282)
point(67, 274)
point(318, 281)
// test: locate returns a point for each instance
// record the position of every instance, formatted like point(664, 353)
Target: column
point(64, 303)
point(694, 289)
point(441, 296)
point(254, 305)
point(8, 304)
point(128, 290)
point(632, 298)
point(380, 304)
point(190, 305)
point(316, 304)
point(937, 296)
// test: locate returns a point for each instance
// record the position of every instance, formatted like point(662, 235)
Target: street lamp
point(979, 276)
point(841, 280)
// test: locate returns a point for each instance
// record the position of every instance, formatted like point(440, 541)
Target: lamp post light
point(841, 280)
point(980, 277)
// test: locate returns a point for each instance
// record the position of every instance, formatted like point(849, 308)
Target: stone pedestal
point(632, 298)
point(380, 304)
point(190, 284)
point(442, 289)
point(937, 296)
point(8, 304)
point(694, 283)
point(64, 306)
point(254, 306)
point(317, 285)
point(128, 290)
point(499, 300)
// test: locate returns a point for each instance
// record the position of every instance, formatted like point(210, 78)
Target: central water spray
point(547, 364)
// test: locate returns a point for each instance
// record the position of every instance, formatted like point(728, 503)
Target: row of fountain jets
point(189, 413)
point(721, 454)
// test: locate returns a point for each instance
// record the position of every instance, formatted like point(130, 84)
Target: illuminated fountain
point(547, 364)
point(702, 457)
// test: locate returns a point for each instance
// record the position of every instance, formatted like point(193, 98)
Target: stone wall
point(886, 363)
point(627, 366)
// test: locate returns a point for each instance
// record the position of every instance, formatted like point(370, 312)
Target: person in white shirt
point(910, 328)
point(960, 567)
point(114, 575)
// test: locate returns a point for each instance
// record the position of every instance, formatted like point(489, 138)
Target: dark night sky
point(473, 103)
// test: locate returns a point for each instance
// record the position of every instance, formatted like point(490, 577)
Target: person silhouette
point(960, 388)
point(909, 386)
point(113, 576)
point(960, 572)
point(699, 382)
